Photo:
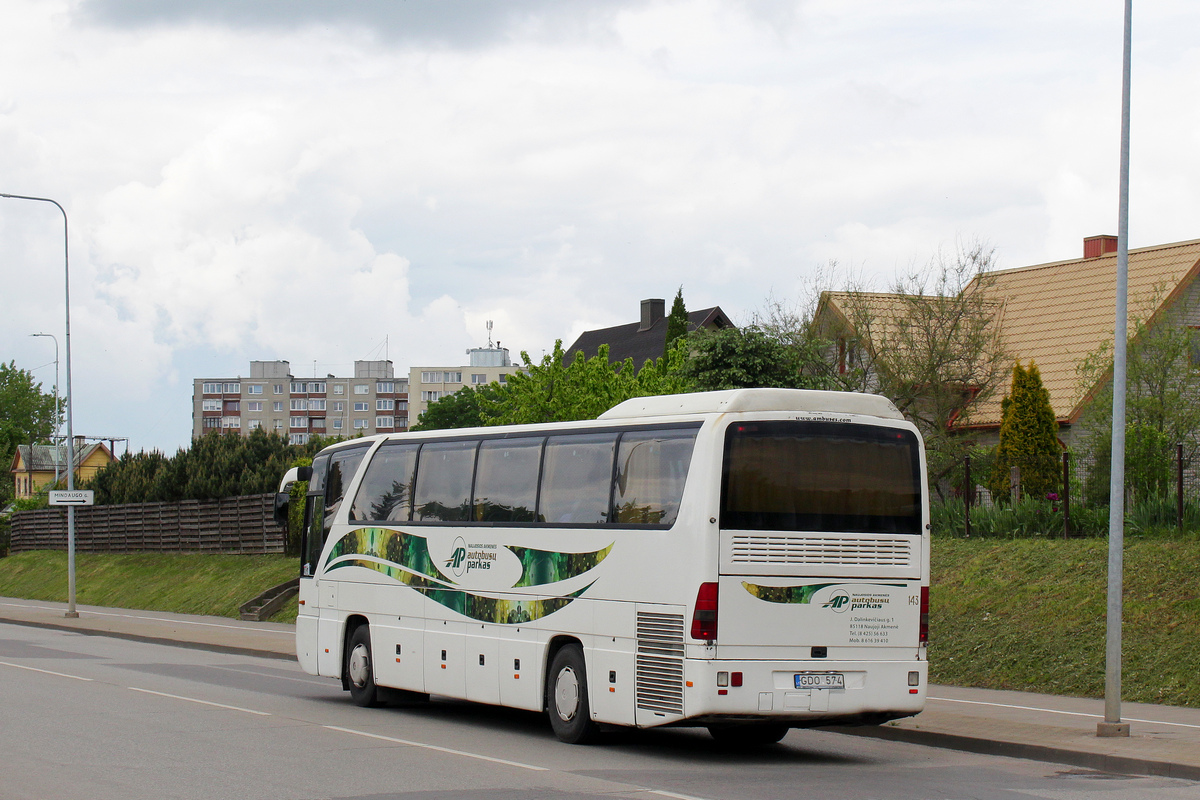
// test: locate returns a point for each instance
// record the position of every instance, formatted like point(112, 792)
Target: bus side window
point(443, 491)
point(576, 478)
point(652, 467)
point(385, 494)
point(506, 480)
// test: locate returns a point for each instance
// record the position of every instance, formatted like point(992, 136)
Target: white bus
point(750, 560)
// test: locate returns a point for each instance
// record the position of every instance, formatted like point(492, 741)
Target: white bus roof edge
point(741, 400)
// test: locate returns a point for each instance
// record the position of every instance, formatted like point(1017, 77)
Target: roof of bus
point(733, 401)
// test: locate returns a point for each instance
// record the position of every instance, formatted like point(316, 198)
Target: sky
point(323, 182)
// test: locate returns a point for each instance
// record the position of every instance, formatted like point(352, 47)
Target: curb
point(1104, 762)
point(136, 637)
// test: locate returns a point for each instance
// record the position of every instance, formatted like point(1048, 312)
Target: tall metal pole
point(54, 440)
point(71, 612)
point(1112, 725)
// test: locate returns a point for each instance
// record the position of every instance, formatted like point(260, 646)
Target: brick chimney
point(1096, 246)
point(652, 312)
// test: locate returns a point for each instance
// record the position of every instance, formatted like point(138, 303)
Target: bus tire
point(360, 671)
point(751, 735)
point(567, 697)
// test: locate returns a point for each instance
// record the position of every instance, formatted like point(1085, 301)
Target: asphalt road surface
point(96, 717)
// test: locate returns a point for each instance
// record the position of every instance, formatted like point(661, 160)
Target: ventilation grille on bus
point(660, 662)
point(875, 551)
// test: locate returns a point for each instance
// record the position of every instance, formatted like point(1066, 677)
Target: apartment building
point(428, 384)
point(372, 401)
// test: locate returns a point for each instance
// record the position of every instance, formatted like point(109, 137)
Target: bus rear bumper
point(872, 692)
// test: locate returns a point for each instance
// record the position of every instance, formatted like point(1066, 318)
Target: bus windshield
point(820, 476)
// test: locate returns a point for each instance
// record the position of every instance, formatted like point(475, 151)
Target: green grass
point(1030, 614)
point(183, 583)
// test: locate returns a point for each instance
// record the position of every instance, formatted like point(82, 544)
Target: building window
point(360, 424)
point(363, 406)
point(232, 405)
point(231, 422)
point(477, 378)
point(278, 424)
point(385, 405)
point(337, 424)
point(277, 405)
point(503, 377)
point(339, 388)
point(233, 388)
point(402, 405)
point(316, 405)
point(254, 406)
point(385, 387)
point(254, 388)
point(384, 422)
point(298, 438)
point(212, 388)
point(317, 388)
point(318, 423)
point(339, 405)
point(362, 388)
point(430, 397)
point(254, 424)
point(210, 405)
point(299, 404)
point(211, 422)
point(299, 422)
point(298, 387)
point(441, 377)
point(278, 388)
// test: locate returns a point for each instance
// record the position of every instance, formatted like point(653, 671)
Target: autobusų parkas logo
point(457, 563)
point(839, 601)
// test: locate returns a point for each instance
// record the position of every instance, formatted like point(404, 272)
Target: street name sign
point(79, 497)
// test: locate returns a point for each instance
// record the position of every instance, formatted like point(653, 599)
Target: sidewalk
point(1164, 740)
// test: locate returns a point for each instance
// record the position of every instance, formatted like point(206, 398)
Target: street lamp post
point(54, 441)
point(71, 612)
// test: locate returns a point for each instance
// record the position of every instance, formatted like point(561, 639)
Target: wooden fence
point(231, 525)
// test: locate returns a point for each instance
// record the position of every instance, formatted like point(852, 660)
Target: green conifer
point(1028, 437)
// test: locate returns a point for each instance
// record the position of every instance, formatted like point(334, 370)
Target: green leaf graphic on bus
point(797, 594)
point(406, 551)
point(540, 567)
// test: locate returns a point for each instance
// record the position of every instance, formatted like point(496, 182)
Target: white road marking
point(1056, 711)
point(196, 700)
point(45, 671)
point(439, 749)
point(661, 793)
point(159, 619)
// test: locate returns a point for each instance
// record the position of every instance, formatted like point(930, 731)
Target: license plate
point(820, 680)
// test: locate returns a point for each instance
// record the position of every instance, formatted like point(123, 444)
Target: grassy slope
point(191, 584)
point(1030, 614)
point(1011, 614)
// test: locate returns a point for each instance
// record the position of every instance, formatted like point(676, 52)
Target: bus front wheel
point(360, 670)
point(567, 697)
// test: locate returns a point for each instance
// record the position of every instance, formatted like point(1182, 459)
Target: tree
point(932, 346)
point(27, 416)
point(1161, 408)
point(1028, 437)
point(466, 408)
point(555, 391)
point(677, 321)
point(734, 358)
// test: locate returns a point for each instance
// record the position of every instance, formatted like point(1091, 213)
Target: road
point(97, 717)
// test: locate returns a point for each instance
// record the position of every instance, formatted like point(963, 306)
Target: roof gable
point(627, 341)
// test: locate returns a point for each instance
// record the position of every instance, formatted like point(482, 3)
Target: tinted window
point(342, 466)
point(651, 470)
point(800, 476)
point(443, 490)
point(576, 478)
point(385, 494)
point(506, 480)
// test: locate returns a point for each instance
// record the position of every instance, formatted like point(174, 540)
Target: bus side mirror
point(303, 473)
point(281, 508)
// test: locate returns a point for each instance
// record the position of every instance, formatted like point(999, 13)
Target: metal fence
point(230, 525)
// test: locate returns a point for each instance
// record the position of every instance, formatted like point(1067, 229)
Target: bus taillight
point(924, 634)
point(704, 616)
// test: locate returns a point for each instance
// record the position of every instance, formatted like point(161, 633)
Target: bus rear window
point(816, 476)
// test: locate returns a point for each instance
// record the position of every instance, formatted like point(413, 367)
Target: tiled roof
point(626, 341)
point(1057, 314)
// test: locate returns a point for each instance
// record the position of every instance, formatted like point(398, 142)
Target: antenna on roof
point(489, 327)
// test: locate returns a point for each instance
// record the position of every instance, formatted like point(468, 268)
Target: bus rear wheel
point(567, 697)
point(360, 671)
point(751, 735)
